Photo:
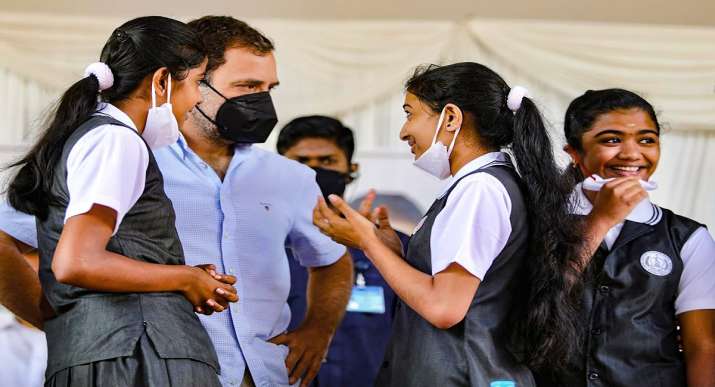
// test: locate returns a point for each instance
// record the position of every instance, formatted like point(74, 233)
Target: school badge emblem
point(656, 263)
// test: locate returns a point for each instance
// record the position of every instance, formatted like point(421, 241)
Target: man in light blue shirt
point(238, 207)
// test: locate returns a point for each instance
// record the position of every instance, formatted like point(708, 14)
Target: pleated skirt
point(143, 369)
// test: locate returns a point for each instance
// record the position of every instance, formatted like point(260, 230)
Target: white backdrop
point(355, 70)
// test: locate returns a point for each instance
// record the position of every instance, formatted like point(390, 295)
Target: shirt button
point(604, 289)
point(593, 375)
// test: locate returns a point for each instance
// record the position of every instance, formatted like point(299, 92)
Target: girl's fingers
point(383, 217)
point(214, 305)
point(342, 206)
point(325, 212)
point(366, 204)
point(634, 195)
point(228, 296)
point(227, 279)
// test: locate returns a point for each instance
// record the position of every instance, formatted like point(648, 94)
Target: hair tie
point(103, 74)
point(516, 95)
point(120, 36)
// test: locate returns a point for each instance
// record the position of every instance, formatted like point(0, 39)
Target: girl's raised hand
point(617, 199)
point(353, 230)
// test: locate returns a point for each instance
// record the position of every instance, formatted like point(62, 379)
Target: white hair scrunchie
point(516, 95)
point(103, 74)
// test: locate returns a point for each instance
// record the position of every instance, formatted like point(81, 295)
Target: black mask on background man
point(331, 182)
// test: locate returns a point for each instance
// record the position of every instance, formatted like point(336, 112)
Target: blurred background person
point(358, 347)
point(23, 348)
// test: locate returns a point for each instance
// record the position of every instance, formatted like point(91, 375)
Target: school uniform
point(119, 339)
point(648, 270)
point(241, 224)
point(480, 223)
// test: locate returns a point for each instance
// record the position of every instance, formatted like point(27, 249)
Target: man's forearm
point(328, 293)
point(20, 289)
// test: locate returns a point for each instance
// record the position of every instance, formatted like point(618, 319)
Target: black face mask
point(247, 119)
point(331, 182)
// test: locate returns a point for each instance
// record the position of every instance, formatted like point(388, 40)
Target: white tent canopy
point(683, 12)
point(355, 68)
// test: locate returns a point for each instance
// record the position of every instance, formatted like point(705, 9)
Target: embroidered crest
point(656, 263)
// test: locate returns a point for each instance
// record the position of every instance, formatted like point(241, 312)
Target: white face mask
point(642, 212)
point(161, 127)
point(435, 160)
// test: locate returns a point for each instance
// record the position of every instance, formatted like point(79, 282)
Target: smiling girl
point(648, 270)
point(495, 248)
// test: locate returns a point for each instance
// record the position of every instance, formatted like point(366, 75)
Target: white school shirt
point(107, 166)
point(474, 225)
point(696, 289)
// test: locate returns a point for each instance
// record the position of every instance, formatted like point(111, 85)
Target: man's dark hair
point(219, 33)
point(317, 126)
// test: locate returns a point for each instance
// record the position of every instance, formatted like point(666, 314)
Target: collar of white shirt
point(475, 164)
point(645, 212)
point(108, 109)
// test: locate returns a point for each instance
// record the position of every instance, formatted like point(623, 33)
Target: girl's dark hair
point(134, 51)
point(585, 110)
point(546, 330)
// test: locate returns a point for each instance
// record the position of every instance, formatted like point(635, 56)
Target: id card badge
point(367, 299)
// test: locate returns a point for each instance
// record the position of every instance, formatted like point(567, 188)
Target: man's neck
point(217, 154)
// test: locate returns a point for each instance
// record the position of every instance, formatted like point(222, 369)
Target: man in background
point(358, 347)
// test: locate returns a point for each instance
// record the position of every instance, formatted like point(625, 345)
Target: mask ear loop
point(168, 89)
point(454, 140)
point(213, 89)
point(168, 93)
point(439, 125)
point(153, 95)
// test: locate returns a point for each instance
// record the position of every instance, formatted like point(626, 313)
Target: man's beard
point(209, 130)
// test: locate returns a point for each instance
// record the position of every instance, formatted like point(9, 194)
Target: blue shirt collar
point(181, 147)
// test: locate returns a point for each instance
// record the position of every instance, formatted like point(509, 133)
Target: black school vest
point(92, 326)
point(629, 309)
point(473, 352)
